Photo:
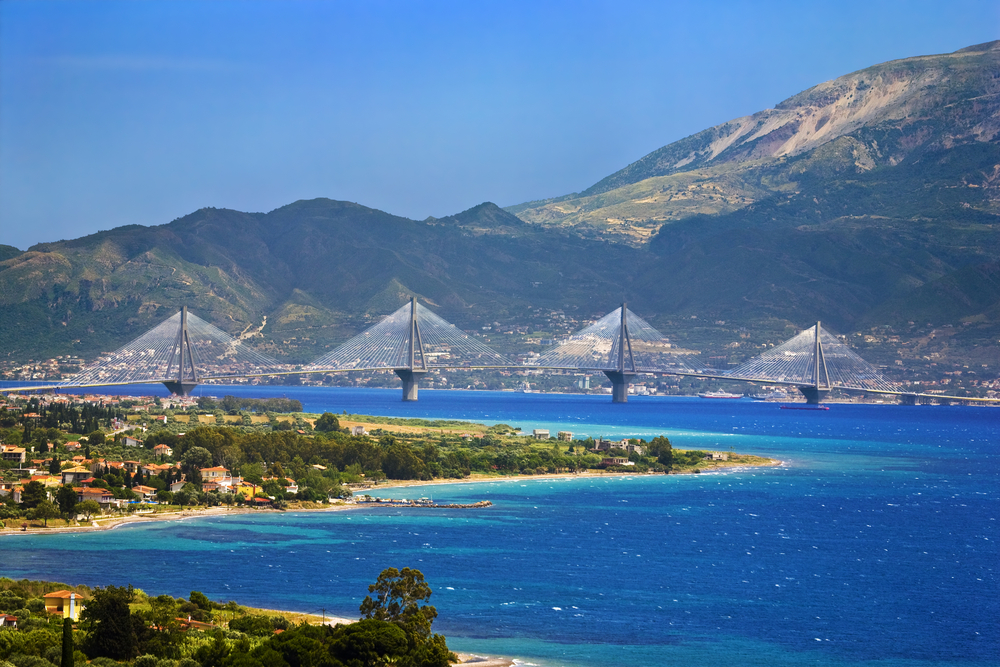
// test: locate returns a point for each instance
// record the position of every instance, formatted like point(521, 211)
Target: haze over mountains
point(869, 200)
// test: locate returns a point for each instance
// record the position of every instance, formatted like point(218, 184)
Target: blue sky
point(115, 113)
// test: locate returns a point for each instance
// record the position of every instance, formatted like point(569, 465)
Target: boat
point(718, 394)
point(774, 395)
point(804, 407)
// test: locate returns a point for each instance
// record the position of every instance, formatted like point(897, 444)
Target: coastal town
point(72, 461)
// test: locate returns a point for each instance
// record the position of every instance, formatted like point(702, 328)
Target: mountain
point(304, 275)
point(871, 202)
point(879, 117)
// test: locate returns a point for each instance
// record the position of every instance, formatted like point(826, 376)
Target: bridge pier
point(619, 385)
point(907, 399)
point(180, 387)
point(814, 395)
point(411, 379)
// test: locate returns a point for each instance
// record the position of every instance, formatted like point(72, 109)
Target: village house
point(144, 492)
point(73, 475)
point(214, 474)
point(102, 497)
point(64, 603)
point(565, 436)
point(616, 461)
point(358, 430)
point(717, 456)
point(540, 434)
point(73, 446)
point(178, 485)
point(129, 441)
point(12, 453)
point(163, 451)
point(8, 621)
point(50, 481)
point(156, 468)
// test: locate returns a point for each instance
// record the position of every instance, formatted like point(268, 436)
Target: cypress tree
point(67, 643)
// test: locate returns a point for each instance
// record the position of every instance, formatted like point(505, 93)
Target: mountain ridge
point(889, 112)
point(869, 228)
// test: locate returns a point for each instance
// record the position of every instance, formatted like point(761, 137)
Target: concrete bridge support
point(814, 395)
point(180, 387)
point(411, 380)
point(619, 385)
point(907, 399)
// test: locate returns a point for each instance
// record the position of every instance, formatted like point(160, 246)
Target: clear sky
point(115, 113)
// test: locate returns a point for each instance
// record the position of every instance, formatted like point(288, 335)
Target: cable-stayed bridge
point(185, 351)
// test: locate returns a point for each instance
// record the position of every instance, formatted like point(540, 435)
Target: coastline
point(112, 523)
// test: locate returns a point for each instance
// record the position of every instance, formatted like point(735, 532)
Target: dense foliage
point(123, 624)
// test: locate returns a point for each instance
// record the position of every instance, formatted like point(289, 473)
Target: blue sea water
point(874, 544)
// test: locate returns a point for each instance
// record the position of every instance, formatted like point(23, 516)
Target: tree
point(661, 448)
point(66, 497)
point(327, 422)
point(96, 438)
point(397, 595)
point(193, 461)
point(112, 629)
point(54, 466)
point(45, 510)
point(33, 493)
point(88, 508)
point(67, 642)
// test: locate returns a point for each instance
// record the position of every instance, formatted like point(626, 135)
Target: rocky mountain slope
point(881, 116)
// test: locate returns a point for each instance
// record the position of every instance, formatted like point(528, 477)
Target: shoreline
point(477, 478)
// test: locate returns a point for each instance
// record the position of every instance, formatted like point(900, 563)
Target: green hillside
point(870, 202)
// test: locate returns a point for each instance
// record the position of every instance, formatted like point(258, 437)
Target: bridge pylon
point(411, 373)
point(187, 371)
point(820, 388)
point(625, 371)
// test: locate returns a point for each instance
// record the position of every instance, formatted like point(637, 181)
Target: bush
point(259, 626)
point(22, 660)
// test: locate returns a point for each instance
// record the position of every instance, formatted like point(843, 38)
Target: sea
point(874, 543)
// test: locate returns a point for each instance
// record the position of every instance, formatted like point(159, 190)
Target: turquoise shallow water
point(876, 543)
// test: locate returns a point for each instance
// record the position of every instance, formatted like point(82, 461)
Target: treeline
point(122, 625)
point(394, 458)
point(234, 405)
point(71, 417)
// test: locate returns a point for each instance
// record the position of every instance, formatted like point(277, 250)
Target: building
point(129, 441)
point(540, 434)
point(102, 497)
point(616, 461)
point(64, 603)
point(565, 436)
point(163, 451)
point(73, 475)
point(214, 474)
point(358, 430)
point(144, 492)
point(73, 446)
point(717, 456)
point(12, 453)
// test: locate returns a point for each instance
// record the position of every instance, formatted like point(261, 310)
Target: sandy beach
point(110, 523)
